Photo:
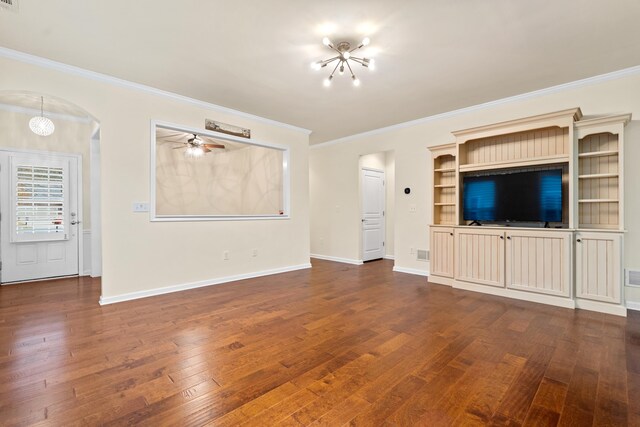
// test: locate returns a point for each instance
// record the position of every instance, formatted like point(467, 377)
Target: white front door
point(38, 222)
point(372, 214)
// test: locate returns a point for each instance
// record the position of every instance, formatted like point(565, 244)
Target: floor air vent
point(423, 255)
point(9, 4)
point(633, 278)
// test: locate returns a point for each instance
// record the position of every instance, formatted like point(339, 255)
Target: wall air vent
point(9, 4)
point(422, 255)
point(633, 278)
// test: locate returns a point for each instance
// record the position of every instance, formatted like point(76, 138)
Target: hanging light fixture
point(344, 51)
point(41, 125)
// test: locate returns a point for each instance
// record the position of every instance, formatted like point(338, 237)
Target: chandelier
point(344, 56)
point(41, 125)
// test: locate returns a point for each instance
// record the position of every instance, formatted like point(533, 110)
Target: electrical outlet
point(254, 253)
point(140, 207)
point(225, 255)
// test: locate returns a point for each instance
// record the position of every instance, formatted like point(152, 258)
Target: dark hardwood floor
point(334, 345)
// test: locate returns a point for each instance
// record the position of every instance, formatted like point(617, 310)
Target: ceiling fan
point(196, 146)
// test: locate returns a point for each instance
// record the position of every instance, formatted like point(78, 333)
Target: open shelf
point(598, 201)
point(445, 170)
point(444, 204)
point(598, 175)
point(444, 186)
point(598, 154)
point(539, 161)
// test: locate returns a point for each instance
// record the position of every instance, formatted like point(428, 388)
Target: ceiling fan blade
point(213, 145)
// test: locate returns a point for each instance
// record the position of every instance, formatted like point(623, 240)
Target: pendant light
point(41, 125)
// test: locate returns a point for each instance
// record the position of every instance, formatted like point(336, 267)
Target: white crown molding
point(35, 111)
point(410, 271)
point(104, 78)
point(202, 283)
point(337, 259)
point(487, 105)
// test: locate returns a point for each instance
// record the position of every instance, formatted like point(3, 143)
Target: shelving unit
point(600, 177)
point(445, 178)
point(577, 263)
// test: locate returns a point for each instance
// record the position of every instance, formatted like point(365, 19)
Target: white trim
point(410, 271)
point(34, 112)
point(602, 307)
point(199, 284)
point(104, 78)
point(633, 305)
point(85, 268)
point(286, 175)
point(514, 294)
point(337, 259)
point(391, 257)
point(487, 105)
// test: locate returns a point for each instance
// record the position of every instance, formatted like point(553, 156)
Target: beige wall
point(69, 137)
point(139, 255)
point(334, 170)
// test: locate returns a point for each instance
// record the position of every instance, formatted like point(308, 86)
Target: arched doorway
point(41, 224)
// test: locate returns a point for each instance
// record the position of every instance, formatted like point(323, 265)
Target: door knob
point(75, 222)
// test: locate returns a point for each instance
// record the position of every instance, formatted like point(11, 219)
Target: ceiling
point(432, 56)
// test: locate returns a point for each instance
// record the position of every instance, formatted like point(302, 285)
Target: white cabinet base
point(520, 295)
point(602, 307)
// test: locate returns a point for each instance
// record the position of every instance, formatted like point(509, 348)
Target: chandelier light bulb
point(341, 69)
point(326, 41)
point(366, 41)
point(316, 65)
point(372, 64)
point(327, 82)
point(356, 81)
point(346, 55)
point(41, 125)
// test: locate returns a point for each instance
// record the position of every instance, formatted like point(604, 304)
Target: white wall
point(140, 256)
point(334, 168)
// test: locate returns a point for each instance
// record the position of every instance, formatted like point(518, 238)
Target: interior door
point(372, 214)
point(38, 222)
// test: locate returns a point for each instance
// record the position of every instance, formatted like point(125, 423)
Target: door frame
point(77, 157)
point(384, 209)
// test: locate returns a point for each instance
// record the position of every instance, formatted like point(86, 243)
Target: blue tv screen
point(531, 196)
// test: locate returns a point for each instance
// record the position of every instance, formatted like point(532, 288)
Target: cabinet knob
point(450, 234)
point(501, 237)
point(579, 240)
point(508, 237)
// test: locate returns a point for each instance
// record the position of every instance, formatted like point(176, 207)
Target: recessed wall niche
point(201, 175)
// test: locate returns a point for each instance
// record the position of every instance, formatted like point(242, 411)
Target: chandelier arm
point(334, 70)
point(356, 48)
point(332, 47)
point(358, 60)
point(352, 75)
point(329, 61)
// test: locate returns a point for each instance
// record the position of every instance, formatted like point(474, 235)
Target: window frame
point(286, 183)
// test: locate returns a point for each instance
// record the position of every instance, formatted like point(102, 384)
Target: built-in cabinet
point(576, 263)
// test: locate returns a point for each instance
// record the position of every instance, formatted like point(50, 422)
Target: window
point(39, 200)
point(203, 175)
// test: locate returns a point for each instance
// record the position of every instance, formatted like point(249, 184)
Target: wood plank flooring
point(334, 345)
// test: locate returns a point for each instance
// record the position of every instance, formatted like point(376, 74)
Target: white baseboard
point(337, 259)
point(202, 283)
point(602, 307)
point(389, 257)
point(633, 305)
point(410, 271)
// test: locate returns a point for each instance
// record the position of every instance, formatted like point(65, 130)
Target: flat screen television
point(530, 196)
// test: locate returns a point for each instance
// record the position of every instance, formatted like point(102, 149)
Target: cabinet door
point(599, 266)
point(441, 251)
point(479, 256)
point(539, 261)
